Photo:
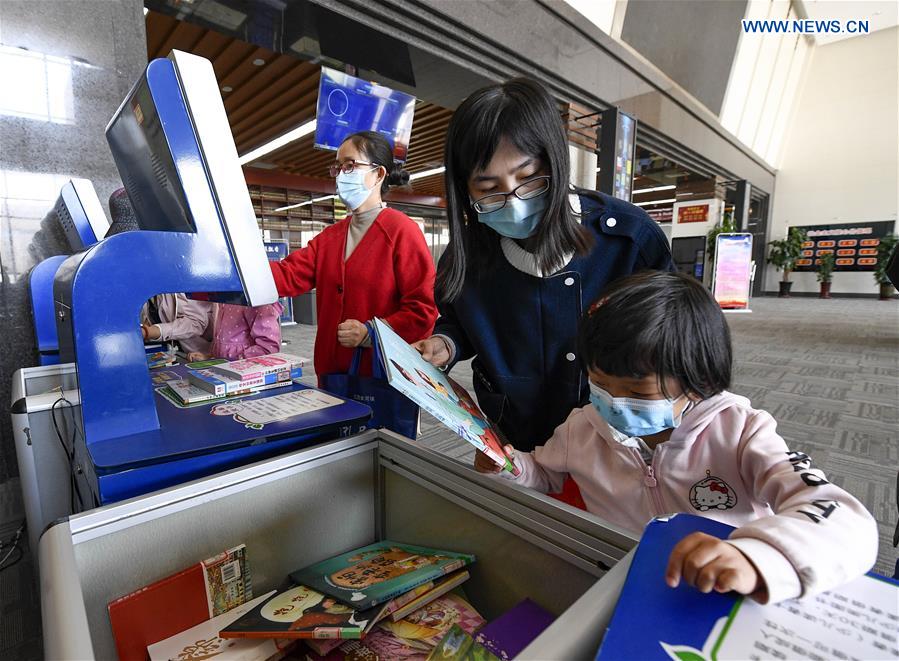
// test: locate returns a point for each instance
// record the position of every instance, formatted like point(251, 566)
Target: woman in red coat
point(375, 263)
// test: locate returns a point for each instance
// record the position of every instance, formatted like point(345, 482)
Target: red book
point(178, 602)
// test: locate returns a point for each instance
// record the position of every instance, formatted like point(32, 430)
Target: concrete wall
point(78, 63)
point(692, 41)
point(841, 154)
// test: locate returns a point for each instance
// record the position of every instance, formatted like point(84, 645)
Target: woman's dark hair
point(661, 323)
point(377, 150)
point(523, 112)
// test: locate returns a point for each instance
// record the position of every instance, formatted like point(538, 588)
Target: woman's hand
point(351, 333)
point(197, 356)
point(435, 350)
point(708, 563)
point(484, 464)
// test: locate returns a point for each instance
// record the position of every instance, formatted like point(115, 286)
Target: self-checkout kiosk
point(80, 216)
point(173, 486)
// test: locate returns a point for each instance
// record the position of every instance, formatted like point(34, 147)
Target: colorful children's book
point(203, 641)
point(301, 612)
point(438, 590)
point(515, 629)
point(220, 386)
point(258, 366)
point(159, 359)
point(428, 625)
point(457, 645)
point(178, 602)
point(187, 393)
point(379, 572)
point(857, 620)
point(438, 394)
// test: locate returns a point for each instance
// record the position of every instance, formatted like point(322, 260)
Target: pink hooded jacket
point(725, 461)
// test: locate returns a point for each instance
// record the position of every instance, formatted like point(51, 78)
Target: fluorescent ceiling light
point(277, 143)
point(652, 190)
point(303, 204)
point(426, 173)
point(643, 204)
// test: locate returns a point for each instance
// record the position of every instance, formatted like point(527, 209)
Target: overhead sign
point(733, 271)
point(854, 245)
point(694, 213)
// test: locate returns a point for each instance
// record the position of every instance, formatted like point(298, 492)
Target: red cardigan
point(389, 275)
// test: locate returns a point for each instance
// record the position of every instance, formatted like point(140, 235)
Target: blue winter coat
point(522, 330)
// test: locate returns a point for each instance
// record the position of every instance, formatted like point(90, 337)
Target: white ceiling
point(880, 14)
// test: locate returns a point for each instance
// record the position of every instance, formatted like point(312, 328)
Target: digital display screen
point(854, 245)
point(624, 156)
point(347, 105)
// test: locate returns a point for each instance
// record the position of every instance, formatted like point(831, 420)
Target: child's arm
point(265, 331)
point(295, 274)
point(543, 470)
point(191, 319)
point(818, 538)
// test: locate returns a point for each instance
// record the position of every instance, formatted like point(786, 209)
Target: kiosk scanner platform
point(83, 222)
point(173, 148)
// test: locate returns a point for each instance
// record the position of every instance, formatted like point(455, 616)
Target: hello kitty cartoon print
point(712, 493)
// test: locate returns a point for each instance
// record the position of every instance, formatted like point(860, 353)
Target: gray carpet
point(828, 371)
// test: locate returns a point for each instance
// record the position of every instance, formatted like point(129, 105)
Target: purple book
point(514, 630)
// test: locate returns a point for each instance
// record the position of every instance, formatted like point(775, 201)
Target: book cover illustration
point(439, 589)
point(159, 359)
point(847, 622)
point(438, 394)
point(301, 612)
point(203, 641)
point(428, 625)
point(376, 573)
point(228, 582)
point(258, 366)
point(458, 645)
point(515, 629)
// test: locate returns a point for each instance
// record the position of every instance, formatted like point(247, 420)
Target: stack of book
point(237, 378)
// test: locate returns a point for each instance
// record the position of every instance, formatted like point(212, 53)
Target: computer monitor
point(173, 147)
point(80, 214)
point(347, 105)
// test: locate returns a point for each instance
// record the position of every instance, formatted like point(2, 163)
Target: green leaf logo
point(683, 652)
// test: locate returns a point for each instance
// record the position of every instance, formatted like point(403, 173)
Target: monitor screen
point(347, 104)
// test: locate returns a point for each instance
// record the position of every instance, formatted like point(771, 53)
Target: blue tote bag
point(390, 408)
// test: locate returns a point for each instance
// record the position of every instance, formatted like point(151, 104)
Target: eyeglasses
point(495, 201)
point(348, 167)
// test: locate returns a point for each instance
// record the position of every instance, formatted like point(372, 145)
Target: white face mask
point(352, 189)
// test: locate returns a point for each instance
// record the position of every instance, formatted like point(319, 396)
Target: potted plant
point(884, 251)
point(783, 255)
point(727, 226)
point(825, 273)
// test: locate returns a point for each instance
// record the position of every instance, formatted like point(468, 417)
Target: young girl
point(243, 332)
point(662, 435)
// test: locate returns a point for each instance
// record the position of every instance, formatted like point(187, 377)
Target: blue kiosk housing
point(198, 234)
point(80, 216)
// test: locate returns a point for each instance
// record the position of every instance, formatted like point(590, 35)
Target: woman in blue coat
point(527, 255)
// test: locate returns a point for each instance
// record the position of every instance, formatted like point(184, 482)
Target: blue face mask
point(352, 189)
point(517, 219)
point(635, 417)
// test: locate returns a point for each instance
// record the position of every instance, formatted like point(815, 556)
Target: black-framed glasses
point(348, 167)
point(531, 188)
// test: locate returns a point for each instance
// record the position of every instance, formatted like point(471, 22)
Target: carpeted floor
point(827, 370)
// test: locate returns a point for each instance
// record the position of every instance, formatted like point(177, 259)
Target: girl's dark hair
point(661, 323)
point(522, 111)
point(377, 150)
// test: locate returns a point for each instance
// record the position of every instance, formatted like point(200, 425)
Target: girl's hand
point(351, 333)
point(197, 356)
point(708, 563)
point(150, 332)
point(434, 350)
point(484, 464)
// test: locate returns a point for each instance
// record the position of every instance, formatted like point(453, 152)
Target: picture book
point(301, 612)
point(219, 385)
point(184, 395)
point(857, 620)
point(428, 625)
point(515, 629)
point(159, 359)
point(178, 602)
point(379, 572)
point(438, 394)
point(439, 589)
point(258, 366)
point(458, 645)
point(203, 641)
